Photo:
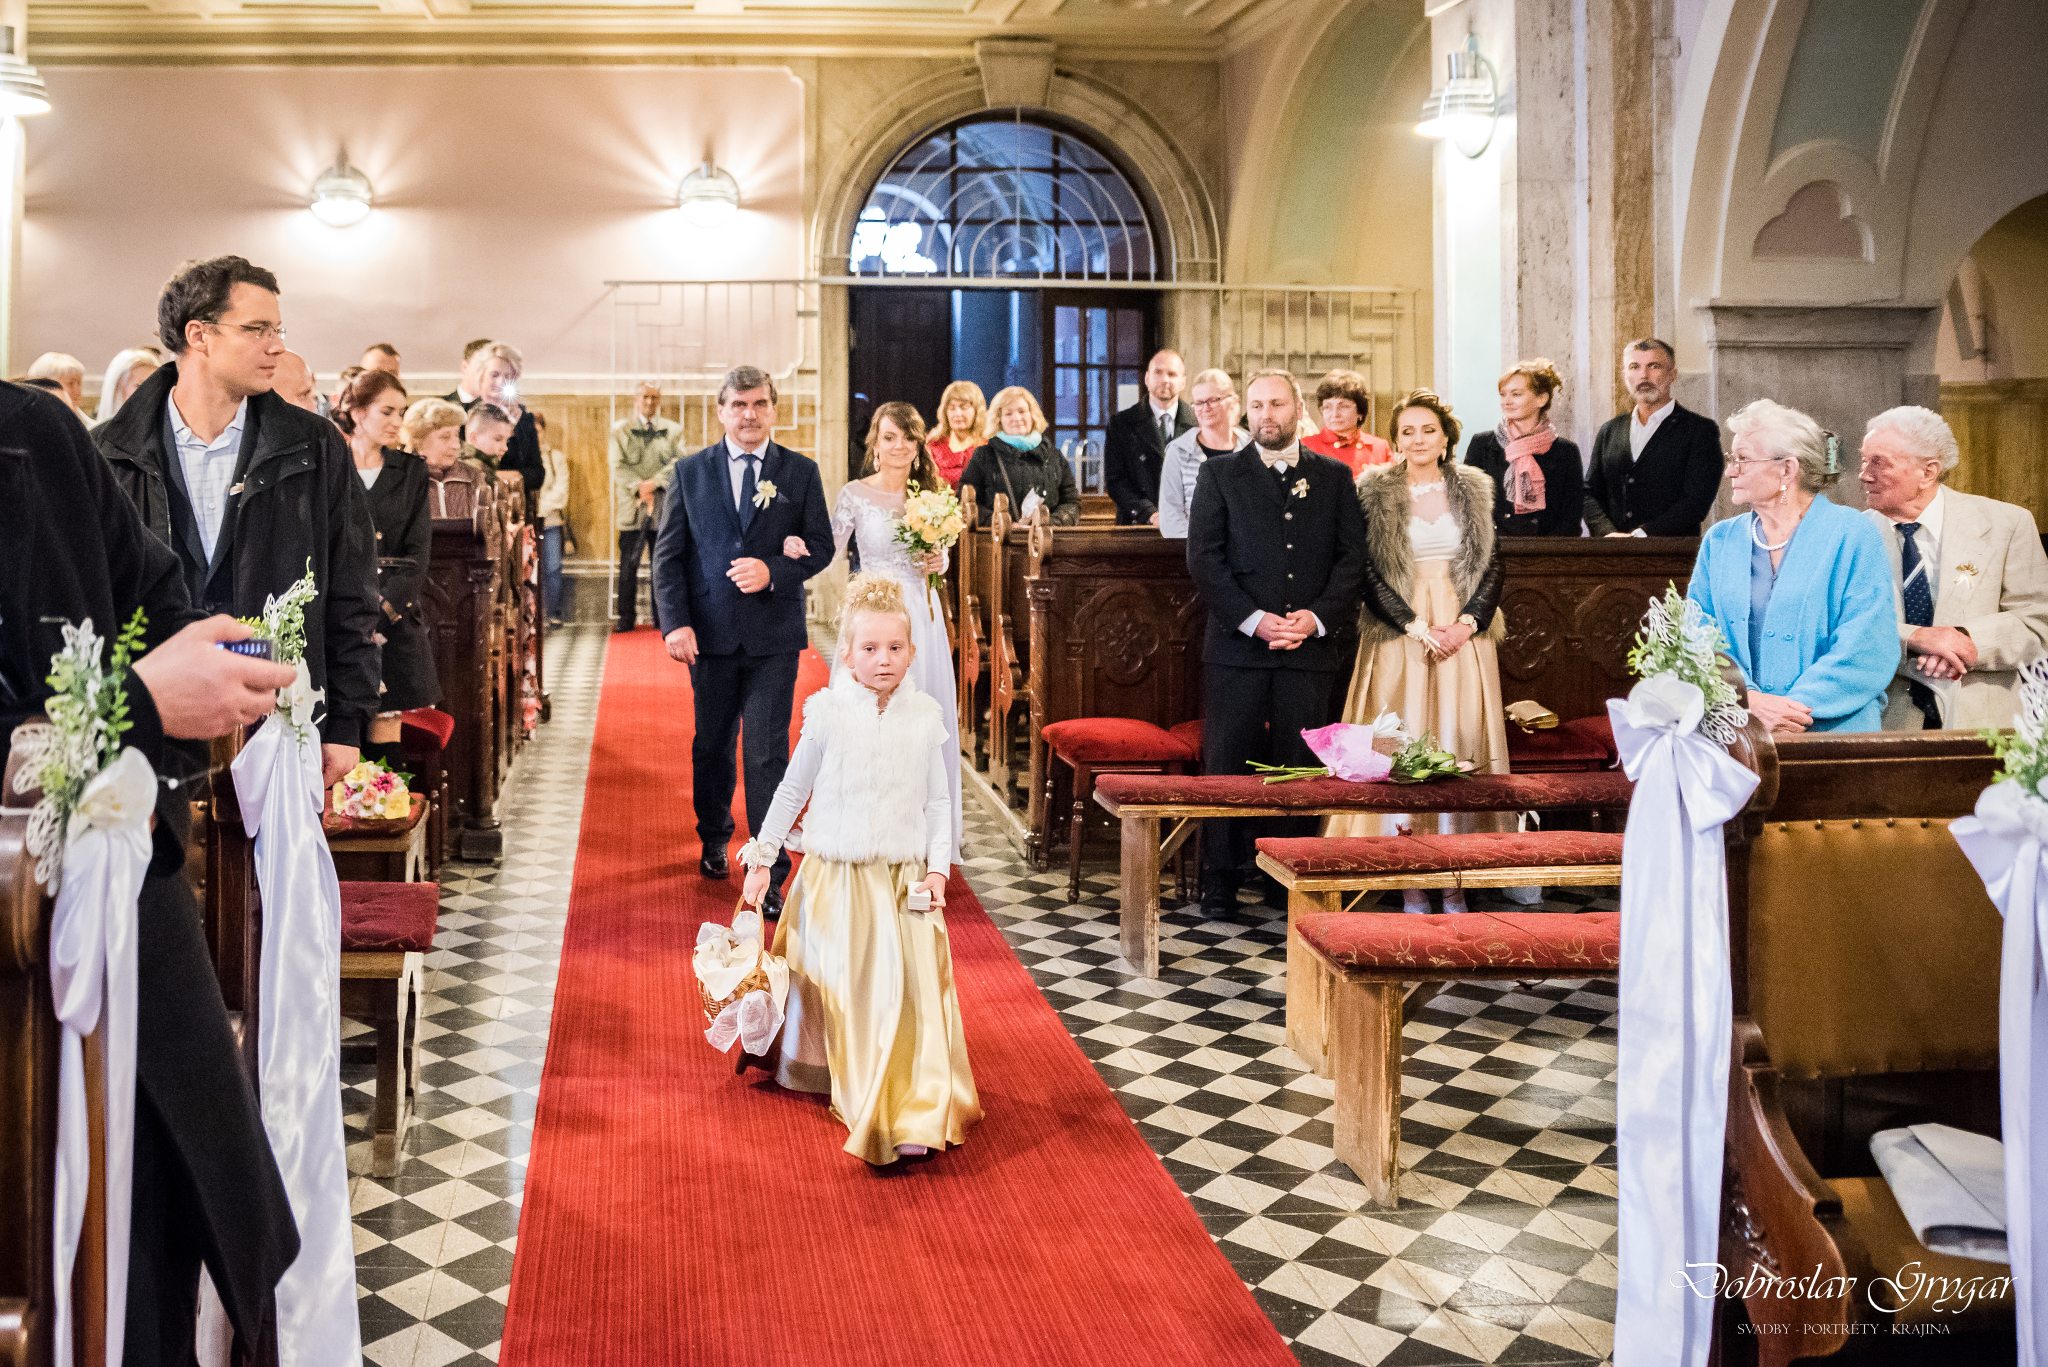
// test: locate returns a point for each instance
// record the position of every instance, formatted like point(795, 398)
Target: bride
point(867, 514)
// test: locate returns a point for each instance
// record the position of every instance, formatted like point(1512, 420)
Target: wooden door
point(899, 346)
point(1095, 342)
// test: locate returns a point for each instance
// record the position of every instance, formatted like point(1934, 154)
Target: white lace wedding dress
point(867, 518)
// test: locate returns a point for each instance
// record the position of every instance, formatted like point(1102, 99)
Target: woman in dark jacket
point(371, 411)
point(1537, 472)
point(1021, 460)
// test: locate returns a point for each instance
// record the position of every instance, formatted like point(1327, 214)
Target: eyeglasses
point(266, 332)
point(1730, 462)
point(1213, 401)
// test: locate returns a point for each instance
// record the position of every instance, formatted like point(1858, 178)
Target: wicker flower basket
point(755, 981)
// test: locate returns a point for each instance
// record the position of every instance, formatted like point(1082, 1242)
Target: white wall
point(506, 196)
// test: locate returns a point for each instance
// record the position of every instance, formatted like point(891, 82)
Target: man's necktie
point(1918, 597)
point(747, 486)
point(1165, 427)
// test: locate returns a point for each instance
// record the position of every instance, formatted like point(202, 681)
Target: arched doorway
point(1992, 356)
point(1006, 248)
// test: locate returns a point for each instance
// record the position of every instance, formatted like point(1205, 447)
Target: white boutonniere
point(764, 493)
point(1300, 489)
point(1966, 575)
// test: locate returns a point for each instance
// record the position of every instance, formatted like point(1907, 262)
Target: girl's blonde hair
point(871, 593)
point(976, 425)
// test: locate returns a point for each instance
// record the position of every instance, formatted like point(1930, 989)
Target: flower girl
point(872, 1017)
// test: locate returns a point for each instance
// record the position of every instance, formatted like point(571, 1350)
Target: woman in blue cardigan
point(1799, 584)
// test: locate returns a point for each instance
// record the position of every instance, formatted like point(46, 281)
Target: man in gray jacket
point(643, 447)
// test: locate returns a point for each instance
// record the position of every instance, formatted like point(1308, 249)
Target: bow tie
point(1274, 461)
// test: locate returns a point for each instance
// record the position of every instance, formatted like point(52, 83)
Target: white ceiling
point(487, 30)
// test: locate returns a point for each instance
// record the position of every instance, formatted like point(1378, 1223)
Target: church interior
point(1599, 1042)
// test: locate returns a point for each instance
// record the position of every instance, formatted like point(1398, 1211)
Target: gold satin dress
point(872, 1017)
point(1458, 699)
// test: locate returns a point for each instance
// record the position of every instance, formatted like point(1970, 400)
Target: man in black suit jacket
point(1136, 449)
point(1657, 467)
point(746, 527)
point(1276, 546)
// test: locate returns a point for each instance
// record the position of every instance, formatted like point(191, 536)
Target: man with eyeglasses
point(248, 489)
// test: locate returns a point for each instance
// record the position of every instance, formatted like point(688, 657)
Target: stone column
point(1839, 365)
point(14, 15)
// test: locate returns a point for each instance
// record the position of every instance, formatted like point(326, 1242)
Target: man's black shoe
point(713, 864)
point(1219, 899)
point(618, 627)
point(771, 906)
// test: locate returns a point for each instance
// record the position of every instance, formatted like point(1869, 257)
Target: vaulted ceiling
point(600, 30)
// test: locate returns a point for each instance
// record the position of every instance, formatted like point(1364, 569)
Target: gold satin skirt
point(1458, 699)
point(872, 1017)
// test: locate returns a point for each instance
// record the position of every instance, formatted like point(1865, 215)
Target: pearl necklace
point(1756, 534)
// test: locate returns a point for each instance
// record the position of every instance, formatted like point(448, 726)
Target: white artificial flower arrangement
point(1677, 655)
point(72, 758)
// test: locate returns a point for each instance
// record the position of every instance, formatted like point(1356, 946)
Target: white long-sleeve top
point(875, 779)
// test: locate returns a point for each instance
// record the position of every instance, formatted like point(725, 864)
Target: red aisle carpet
point(676, 1214)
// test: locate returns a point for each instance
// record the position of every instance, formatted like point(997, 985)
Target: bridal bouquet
point(932, 521)
point(1381, 751)
point(372, 792)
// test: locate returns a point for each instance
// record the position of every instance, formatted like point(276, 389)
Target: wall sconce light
point(22, 93)
point(341, 196)
point(1465, 108)
point(709, 196)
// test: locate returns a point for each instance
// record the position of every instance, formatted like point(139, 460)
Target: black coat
point(71, 548)
point(1668, 491)
point(701, 536)
point(405, 543)
point(1256, 546)
point(1564, 483)
point(1133, 455)
point(1000, 468)
point(301, 502)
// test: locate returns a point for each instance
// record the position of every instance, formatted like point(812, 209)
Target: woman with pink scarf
point(1537, 472)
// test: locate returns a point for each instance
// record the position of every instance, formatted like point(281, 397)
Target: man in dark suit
point(746, 527)
point(249, 490)
point(1276, 546)
point(1657, 467)
point(205, 1186)
point(1136, 449)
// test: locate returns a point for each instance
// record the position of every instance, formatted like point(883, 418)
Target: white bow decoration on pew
point(93, 987)
point(1675, 1016)
point(2007, 843)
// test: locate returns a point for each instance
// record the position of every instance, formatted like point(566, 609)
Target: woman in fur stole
point(872, 1017)
point(1426, 646)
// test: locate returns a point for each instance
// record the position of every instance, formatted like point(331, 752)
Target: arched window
point(1000, 196)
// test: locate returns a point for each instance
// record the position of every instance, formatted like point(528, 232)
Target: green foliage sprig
point(88, 715)
point(2023, 751)
point(1678, 638)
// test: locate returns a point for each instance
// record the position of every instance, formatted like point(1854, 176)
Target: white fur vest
point(869, 799)
point(1468, 493)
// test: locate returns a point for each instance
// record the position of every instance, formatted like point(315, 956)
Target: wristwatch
point(1467, 619)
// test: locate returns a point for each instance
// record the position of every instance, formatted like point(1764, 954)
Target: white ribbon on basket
point(93, 985)
point(1671, 1078)
point(298, 1049)
point(2007, 842)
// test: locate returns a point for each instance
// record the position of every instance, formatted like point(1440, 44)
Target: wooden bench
point(1143, 803)
point(1364, 964)
point(1865, 964)
point(386, 931)
point(1325, 875)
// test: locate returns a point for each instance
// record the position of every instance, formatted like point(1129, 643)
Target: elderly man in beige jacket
point(1971, 576)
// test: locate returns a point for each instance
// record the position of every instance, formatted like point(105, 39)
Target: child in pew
point(872, 1016)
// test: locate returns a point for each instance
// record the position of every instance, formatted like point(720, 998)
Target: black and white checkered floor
point(1502, 1250)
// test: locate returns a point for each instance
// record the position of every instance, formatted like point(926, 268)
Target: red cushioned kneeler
point(1539, 941)
point(1096, 745)
point(396, 917)
point(1571, 747)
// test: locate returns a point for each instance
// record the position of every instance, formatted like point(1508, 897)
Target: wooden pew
point(1865, 964)
point(1008, 640)
point(29, 1039)
point(1115, 631)
point(461, 601)
point(1142, 802)
point(1573, 606)
point(221, 866)
point(970, 628)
